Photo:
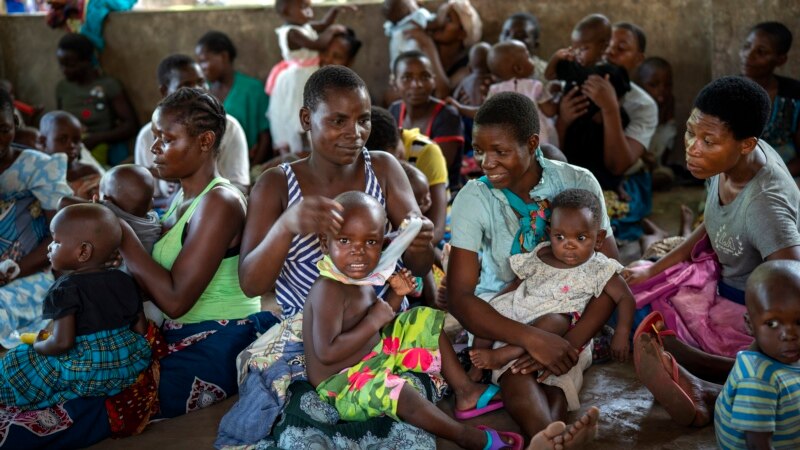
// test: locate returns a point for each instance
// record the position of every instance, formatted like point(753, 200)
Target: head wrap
point(470, 21)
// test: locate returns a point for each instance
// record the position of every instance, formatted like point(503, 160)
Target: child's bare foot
point(475, 374)
point(486, 358)
point(584, 430)
point(687, 218)
point(551, 438)
point(475, 399)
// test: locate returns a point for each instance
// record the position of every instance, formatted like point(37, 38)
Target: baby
point(559, 278)
point(472, 90)
point(359, 350)
point(96, 347)
point(590, 37)
point(60, 132)
point(757, 407)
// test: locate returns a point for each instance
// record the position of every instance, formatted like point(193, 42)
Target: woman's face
point(758, 56)
point(710, 146)
point(521, 30)
point(448, 29)
point(502, 158)
point(72, 66)
point(212, 64)
point(7, 130)
point(339, 125)
point(415, 80)
point(337, 53)
point(177, 153)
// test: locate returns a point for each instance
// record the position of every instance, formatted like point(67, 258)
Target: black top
point(104, 300)
point(788, 87)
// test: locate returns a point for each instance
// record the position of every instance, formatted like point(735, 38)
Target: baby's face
point(337, 53)
point(588, 48)
point(64, 250)
point(64, 137)
point(356, 249)
point(775, 323)
point(573, 235)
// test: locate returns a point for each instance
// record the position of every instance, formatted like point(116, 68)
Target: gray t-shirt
point(761, 220)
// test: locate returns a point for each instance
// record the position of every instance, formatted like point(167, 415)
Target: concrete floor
point(629, 417)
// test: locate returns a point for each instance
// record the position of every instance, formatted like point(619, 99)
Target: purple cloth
point(686, 294)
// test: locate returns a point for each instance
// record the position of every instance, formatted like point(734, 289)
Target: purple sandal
point(494, 439)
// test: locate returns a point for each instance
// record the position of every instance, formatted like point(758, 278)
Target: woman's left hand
point(424, 238)
point(600, 91)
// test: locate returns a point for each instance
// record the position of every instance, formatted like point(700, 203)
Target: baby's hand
point(567, 54)
point(345, 8)
point(381, 312)
point(403, 282)
point(620, 347)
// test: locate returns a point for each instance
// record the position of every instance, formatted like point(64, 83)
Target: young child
point(757, 407)
point(766, 49)
point(472, 90)
point(96, 347)
point(590, 37)
point(60, 132)
point(359, 347)
point(403, 15)
point(524, 27)
point(559, 278)
point(414, 78)
point(511, 66)
point(341, 50)
point(655, 76)
point(300, 41)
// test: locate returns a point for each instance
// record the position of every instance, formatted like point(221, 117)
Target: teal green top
point(248, 103)
point(223, 297)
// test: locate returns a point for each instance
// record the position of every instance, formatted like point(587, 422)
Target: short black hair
point(355, 44)
point(781, 36)
point(526, 17)
point(78, 44)
point(513, 110)
point(172, 62)
point(6, 102)
point(218, 42)
point(579, 199)
point(384, 134)
point(638, 32)
point(198, 111)
point(738, 102)
point(329, 77)
point(411, 54)
point(653, 62)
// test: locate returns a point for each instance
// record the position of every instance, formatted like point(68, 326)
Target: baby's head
point(419, 184)
point(60, 132)
point(384, 134)
point(84, 237)
point(590, 38)
point(522, 27)
point(478, 58)
point(575, 232)
point(296, 12)
point(765, 49)
point(655, 75)
point(510, 59)
point(772, 298)
point(129, 187)
point(356, 249)
point(395, 10)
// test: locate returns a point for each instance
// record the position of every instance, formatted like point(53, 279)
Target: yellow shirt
point(426, 155)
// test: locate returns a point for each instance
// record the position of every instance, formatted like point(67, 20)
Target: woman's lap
point(21, 307)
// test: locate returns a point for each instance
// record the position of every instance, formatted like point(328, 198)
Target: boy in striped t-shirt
point(759, 406)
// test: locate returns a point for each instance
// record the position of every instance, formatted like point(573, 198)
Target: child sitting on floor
point(655, 76)
point(300, 41)
point(96, 347)
point(357, 362)
point(757, 407)
point(60, 132)
point(560, 278)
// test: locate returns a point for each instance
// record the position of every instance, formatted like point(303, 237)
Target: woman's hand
point(551, 352)
point(424, 238)
point(636, 275)
point(572, 105)
point(601, 92)
point(423, 39)
point(313, 214)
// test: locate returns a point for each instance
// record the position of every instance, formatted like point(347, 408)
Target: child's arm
point(298, 40)
point(618, 290)
point(559, 55)
point(464, 110)
point(140, 326)
point(549, 108)
point(331, 343)
point(330, 17)
point(60, 341)
point(758, 440)
point(402, 283)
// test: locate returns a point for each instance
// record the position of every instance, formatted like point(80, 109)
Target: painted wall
point(700, 38)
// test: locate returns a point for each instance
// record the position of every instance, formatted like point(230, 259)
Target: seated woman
point(290, 206)
point(507, 213)
point(99, 101)
point(31, 184)
point(751, 216)
point(209, 319)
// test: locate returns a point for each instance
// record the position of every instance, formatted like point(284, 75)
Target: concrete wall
point(700, 38)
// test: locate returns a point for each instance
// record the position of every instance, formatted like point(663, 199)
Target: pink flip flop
point(494, 439)
point(661, 381)
point(484, 405)
point(648, 325)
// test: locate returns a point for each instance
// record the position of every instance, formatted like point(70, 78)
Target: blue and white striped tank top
point(300, 267)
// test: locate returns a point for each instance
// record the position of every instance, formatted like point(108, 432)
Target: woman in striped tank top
point(291, 204)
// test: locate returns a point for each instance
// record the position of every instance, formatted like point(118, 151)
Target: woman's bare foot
point(475, 373)
point(467, 397)
point(687, 219)
point(551, 438)
point(486, 358)
point(584, 430)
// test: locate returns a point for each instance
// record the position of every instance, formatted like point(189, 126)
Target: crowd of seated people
point(494, 184)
